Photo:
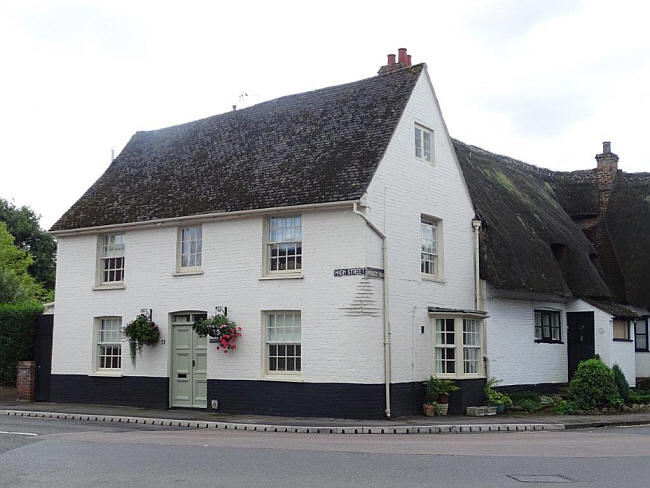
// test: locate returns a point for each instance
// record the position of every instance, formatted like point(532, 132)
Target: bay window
point(458, 346)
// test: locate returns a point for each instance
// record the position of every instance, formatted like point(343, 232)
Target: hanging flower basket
point(223, 329)
point(141, 332)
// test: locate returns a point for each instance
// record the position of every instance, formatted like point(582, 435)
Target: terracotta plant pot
point(443, 398)
point(429, 409)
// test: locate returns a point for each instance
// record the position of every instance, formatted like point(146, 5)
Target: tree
point(16, 284)
point(22, 223)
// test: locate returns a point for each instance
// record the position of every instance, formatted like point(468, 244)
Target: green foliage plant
point(622, 385)
point(141, 331)
point(593, 386)
point(16, 337)
point(430, 391)
point(220, 327)
point(16, 284)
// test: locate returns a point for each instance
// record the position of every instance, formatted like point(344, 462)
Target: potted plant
point(222, 328)
point(430, 397)
point(141, 331)
point(443, 387)
point(495, 398)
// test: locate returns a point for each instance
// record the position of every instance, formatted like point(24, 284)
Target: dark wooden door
point(43, 357)
point(580, 340)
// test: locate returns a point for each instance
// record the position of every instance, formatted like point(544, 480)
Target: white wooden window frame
point(281, 340)
point(101, 343)
point(104, 257)
point(421, 136)
point(270, 244)
point(428, 221)
point(187, 269)
point(459, 347)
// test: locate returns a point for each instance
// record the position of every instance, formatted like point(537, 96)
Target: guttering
point(197, 217)
point(476, 226)
point(387, 360)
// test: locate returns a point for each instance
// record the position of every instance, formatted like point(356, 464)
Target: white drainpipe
point(387, 362)
point(476, 225)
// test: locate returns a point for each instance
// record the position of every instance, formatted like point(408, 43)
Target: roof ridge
point(411, 69)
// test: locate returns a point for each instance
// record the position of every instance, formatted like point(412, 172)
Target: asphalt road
point(71, 453)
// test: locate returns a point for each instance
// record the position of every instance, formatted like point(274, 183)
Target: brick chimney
point(606, 169)
point(403, 60)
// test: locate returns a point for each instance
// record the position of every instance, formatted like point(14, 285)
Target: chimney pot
point(401, 56)
point(408, 60)
point(391, 59)
point(607, 147)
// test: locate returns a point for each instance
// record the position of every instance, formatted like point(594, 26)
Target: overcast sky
point(542, 81)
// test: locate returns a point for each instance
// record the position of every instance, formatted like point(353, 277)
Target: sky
point(541, 81)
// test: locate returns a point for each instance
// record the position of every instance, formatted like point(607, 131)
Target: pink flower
point(233, 347)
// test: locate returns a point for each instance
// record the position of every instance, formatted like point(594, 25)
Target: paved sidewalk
point(543, 422)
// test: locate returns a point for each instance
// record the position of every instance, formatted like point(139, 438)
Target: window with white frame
point(548, 326)
point(283, 347)
point(190, 244)
point(471, 346)
point(109, 343)
point(284, 244)
point(430, 240)
point(445, 346)
point(111, 257)
point(458, 346)
point(423, 143)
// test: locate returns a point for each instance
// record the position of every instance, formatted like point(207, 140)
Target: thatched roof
point(524, 222)
point(628, 222)
point(315, 147)
point(613, 308)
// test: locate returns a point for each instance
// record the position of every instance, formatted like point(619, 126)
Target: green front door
point(189, 363)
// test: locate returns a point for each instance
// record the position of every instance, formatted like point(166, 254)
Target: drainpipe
point(384, 248)
point(476, 225)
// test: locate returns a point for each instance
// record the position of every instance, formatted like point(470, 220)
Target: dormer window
point(423, 143)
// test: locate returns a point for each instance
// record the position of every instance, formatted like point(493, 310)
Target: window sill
point(108, 374)
point(116, 286)
point(289, 378)
point(281, 277)
point(545, 341)
point(188, 273)
point(434, 279)
point(641, 350)
point(622, 340)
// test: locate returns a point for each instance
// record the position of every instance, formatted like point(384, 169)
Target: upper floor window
point(430, 241)
point(111, 258)
point(109, 343)
point(284, 244)
point(423, 144)
point(190, 247)
point(547, 326)
point(641, 335)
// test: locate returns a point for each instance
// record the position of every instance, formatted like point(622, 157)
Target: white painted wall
point(514, 356)
point(611, 352)
point(402, 189)
point(336, 347)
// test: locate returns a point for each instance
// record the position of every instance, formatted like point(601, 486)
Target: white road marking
point(17, 433)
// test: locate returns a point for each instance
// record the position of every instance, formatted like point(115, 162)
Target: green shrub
point(593, 386)
point(494, 397)
point(430, 391)
point(639, 396)
point(16, 338)
point(566, 407)
point(622, 385)
point(520, 396)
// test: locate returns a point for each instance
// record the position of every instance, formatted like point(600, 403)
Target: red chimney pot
point(401, 56)
point(391, 59)
point(408, 60)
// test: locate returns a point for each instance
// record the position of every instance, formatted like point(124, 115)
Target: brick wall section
point(596, 228)
point(26, 381)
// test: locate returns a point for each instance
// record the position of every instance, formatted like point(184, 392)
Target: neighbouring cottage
point(342, 229)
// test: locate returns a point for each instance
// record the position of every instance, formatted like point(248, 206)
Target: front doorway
point(189, 362)
point(580, 340)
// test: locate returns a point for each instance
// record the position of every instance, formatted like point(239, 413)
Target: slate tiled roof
point(612, 308)
point(314, 147)
point(521, 207)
